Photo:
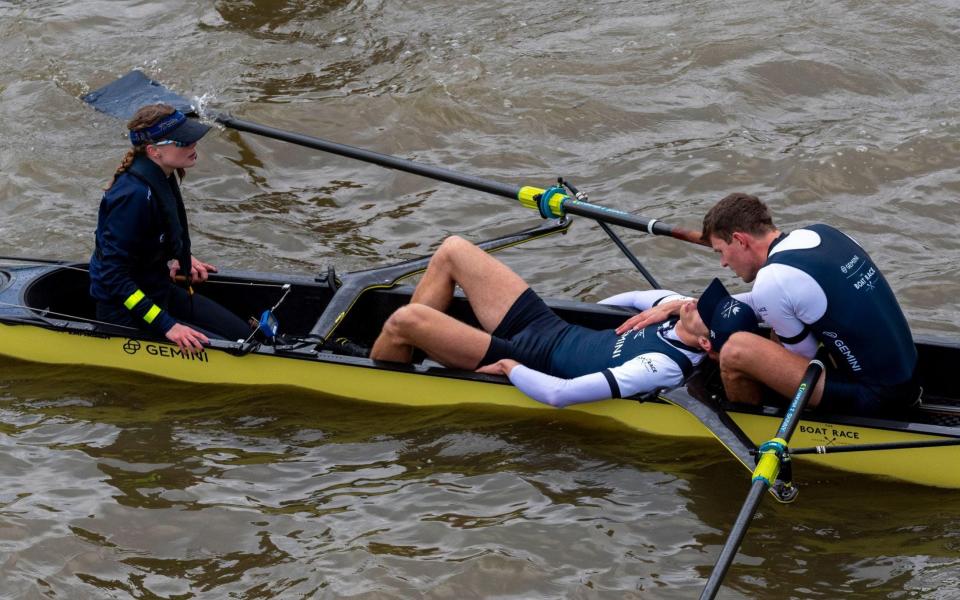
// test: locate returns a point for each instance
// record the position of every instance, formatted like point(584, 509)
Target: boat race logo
point(732, 307)
point(164, 351)
point(829, 435)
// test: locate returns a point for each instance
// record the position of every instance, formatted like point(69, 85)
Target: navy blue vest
point(863, 329)
point(581, 350)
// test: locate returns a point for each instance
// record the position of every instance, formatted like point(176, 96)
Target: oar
point(875, 447)
point(122, 97)
point(772, 454)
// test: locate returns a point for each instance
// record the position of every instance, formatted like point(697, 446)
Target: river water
point(116, 487)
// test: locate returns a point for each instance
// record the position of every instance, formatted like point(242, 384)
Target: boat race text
point(831, 431)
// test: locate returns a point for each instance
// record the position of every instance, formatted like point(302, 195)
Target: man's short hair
point(737, 212)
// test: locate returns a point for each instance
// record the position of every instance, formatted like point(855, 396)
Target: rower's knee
point(736, 351)
point(452, 246)
point(405, 321)
point(452, 250)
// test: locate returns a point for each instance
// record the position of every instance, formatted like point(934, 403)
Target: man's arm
point(120, 233)
point(559, 392)
point(656, 306)
point(642, 299)
point(645, 373)
point(788, 299)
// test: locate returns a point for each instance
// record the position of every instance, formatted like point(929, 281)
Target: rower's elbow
point(554, 399)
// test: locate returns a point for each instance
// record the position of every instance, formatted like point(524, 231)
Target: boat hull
point(429, 386)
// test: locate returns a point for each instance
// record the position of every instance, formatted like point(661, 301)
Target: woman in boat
point(143, 242)
point(550, 360)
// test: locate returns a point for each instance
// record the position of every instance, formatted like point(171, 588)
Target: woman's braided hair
point(144, 117)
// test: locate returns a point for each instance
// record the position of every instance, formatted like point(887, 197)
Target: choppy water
point(843, 112)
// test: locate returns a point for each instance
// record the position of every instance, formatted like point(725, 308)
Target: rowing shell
point(42, 320)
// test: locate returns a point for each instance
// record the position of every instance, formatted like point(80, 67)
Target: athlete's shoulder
point(127, 187)
point(831, 232)
point(784, 289)
point(799, 239)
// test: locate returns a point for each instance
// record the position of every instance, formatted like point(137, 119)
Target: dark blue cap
point(176, 126)
point(724, 315)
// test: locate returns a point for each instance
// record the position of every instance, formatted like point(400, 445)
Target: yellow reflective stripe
point(151, 314)
point(133, 299)
point(526, 196)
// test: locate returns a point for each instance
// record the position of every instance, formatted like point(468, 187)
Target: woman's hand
point(199, 270)
point(189, 340)
point(501, 367)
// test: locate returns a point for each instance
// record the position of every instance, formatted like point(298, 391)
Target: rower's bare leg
point(749, 362)
point(490, 286)
point(445, 339)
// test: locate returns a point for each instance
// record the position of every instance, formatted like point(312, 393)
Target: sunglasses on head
point(175, 143)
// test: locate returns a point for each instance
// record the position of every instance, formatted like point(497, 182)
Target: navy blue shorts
point(845, 395)
point(528, 333)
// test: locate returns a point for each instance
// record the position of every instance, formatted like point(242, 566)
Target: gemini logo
point(132, 347)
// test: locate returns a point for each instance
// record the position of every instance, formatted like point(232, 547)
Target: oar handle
point(616, 217)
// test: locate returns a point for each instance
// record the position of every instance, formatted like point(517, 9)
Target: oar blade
point(124, 96)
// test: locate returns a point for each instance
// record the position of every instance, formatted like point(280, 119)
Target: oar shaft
point(768, 467)
point(734, 540)
point(384, 160)
point(560, 205)
point(807, 384)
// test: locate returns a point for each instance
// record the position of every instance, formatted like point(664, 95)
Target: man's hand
point(501, 367)
point(199, 270)
point(654, 314)
point(189, 340)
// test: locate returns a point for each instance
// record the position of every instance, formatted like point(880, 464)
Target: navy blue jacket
point(140, 227)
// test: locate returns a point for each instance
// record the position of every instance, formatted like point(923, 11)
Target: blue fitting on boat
point(544, 203)
point(774, 445)
point(770, 456)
